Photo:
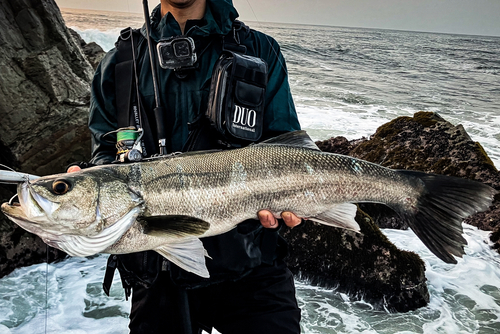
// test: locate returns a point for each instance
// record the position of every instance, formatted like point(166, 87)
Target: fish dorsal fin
point(188, 255)
point(181, 226)
point(295, 138)
point(341, 215)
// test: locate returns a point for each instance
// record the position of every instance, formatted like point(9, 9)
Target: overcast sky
point(477, 17)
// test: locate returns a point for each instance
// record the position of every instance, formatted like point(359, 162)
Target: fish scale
point(167, 204)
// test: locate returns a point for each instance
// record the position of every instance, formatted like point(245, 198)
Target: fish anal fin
point(181, 226)
point(188, 255)
point(295, 138)
point(341, 215)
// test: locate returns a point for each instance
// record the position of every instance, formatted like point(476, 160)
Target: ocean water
point(345, 82)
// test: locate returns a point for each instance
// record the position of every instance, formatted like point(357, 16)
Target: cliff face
point(45, 92)
point(45, 88)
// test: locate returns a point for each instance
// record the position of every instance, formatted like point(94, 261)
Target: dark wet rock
point(427, 142)
point(365, 265)
point(45, 93)
point(93, 51)
point(368, 266)
point(45, 88)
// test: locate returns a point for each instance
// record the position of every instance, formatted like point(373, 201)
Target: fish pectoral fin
point(182, 226)
point(295, 138)
point(341, 215)
point(188, 255)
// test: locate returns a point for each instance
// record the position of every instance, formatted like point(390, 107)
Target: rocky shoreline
point(383, 275)
point(45, 85)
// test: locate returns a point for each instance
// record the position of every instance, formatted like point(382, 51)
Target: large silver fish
point(168, 204)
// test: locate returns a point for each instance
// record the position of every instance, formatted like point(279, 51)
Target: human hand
point(73, 169)
point(268, 220)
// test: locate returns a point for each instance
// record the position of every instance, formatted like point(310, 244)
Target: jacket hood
point(218, 20)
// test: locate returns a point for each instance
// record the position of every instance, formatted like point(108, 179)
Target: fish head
point(91, 208)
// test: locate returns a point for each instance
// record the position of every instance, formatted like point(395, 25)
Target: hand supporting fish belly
point(168, 204)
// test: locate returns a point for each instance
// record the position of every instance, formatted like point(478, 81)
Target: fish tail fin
point(442, 206)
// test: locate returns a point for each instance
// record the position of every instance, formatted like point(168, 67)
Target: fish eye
point(61, 187)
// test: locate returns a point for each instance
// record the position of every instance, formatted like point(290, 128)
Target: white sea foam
point(106, 39)
point(464, 298)
point(72, 290)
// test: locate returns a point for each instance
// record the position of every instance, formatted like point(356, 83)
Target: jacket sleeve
point(102, 116)
point(280, 113)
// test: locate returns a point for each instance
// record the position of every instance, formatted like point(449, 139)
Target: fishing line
point(8, 168)
point(46, 287)
point(268, 40)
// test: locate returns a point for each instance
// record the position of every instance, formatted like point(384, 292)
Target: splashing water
point(464, 298)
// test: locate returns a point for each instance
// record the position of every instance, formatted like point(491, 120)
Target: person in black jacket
point(250, 289)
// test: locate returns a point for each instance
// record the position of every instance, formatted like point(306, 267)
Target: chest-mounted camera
point(177, 53)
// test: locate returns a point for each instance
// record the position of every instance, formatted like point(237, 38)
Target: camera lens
point(182, 49)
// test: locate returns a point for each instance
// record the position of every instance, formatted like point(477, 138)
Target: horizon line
point(308, 24)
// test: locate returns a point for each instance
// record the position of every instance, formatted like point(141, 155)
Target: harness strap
point(124, 76)
point(232, 41)
point(129, 108)
point(250, 74)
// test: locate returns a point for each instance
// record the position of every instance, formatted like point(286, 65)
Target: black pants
point(261, 302)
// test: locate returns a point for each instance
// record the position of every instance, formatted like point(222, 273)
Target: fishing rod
point(158, 110)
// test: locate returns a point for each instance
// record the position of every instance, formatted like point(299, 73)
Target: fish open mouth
point(74, 245)
point(14, 211)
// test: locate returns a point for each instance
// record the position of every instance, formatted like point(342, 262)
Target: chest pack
point(237, 97)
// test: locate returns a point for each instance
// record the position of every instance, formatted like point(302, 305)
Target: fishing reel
point(128, 144)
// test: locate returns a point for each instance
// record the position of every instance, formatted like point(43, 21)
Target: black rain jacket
point(236, 252)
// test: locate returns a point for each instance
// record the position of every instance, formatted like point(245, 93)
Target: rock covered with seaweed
point(425, 142)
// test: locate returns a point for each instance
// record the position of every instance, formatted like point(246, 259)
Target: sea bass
point(168, 204)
